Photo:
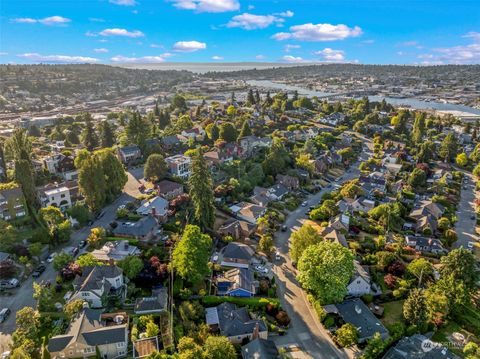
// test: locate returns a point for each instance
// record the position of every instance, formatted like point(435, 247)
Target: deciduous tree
point(155, 167)
point(301, 240)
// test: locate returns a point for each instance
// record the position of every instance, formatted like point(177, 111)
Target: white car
point(51, 257)
point(278, 256)
point(470, 245)
point(261, 269)
point(304, 204)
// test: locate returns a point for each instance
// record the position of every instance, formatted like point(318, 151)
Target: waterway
point(410, 102)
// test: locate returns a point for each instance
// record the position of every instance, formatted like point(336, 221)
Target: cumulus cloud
point(123, 2)
point(319, 32)
point(51, 20)
point(331, 55)
point(207, 5)
point(156, 46)
point(463, 54)
point(101, 50)
point(411, 43)
point(3, 53)
point(473, 35)
point(96, 19)
point(141, 60)
point(292, 59)
point(121, 32)
point(248, 21)
point(289, 47)
point(260, 57)
point(35, 57)
point(287, 13)
point(217, 58)
point(189, 46)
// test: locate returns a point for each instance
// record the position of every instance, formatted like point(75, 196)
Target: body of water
point(410, 102)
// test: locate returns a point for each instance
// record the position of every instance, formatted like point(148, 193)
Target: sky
point(422, 32)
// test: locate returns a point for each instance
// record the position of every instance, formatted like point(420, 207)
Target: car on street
point(473, 217)
point(284, 228)
point(4, 313)
point(277, 256)
point(470, 245)
point(51, 257)
point(261, 269)
point(82, 244)
point(9, 283)
point(38, 271)
point(304, 204)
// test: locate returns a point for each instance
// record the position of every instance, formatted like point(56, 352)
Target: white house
point(360, 283)
point(179, 165)
point(57, 197)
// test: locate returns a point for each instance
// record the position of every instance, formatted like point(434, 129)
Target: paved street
point(305, 330)
point(465, 226)
point(23, 296)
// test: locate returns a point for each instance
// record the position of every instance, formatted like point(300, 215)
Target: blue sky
point(146, 31)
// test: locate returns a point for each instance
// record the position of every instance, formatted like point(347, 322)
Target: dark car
point(38, 271)
point(284, 228)
point(75, 251)
point(82, 244)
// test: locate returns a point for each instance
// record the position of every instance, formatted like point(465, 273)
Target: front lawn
point(393, 313)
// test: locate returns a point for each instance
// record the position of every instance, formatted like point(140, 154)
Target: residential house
point(217, 157)
point(235, 323)
point(170, 142)
point(115, 251)
point(156, 303)
point(355, 312)
point(426, 214)
point(290, 182)
point(237, 282)
point(129, 154)
point(334, 235)
point(51, 162)
point(179, 165)
point(340, 222)
point(12, 204)
point(248, 211)
point(277, 192)
point(169, 189)
point(197, 133)
point(143, 229)
point(97, 283)
point(373, 182)
point(236, 228)
point(90, 331)
point(334, 119)
point(156, 207)
point(419, 346)
point(66, 168)
point(362, 204)
point(57, 196)
point(249, 145)
point(425, 245)
point(237, 255)
point(360, 283)
point(260, 349)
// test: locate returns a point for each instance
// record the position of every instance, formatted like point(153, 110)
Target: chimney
point(256, 332)
point(154, 212)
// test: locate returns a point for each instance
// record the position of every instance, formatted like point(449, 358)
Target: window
point(121, 352)
point(121, 345)
point(62, 196)
point(85, 294)
point(89, 350)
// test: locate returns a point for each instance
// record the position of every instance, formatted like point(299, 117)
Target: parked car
point(277, 256)
point(4, 313)
point(75, 251)
point(261, 269)
point(470, 245)
point(304, 204)
point(82, 244)
point(284, 228)
point(38, 271)
point(51, 257)
point(9, 283)
point(473, 217)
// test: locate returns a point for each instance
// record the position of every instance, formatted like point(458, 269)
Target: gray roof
point(234, 321)
point(411, 347)
point(240, 278)
point(129, 149)
point(87, 328)
point(92, 277)
point(238, 250)
point(155, 303)
point(355, 312)
point(136, 229)
point(260, 349)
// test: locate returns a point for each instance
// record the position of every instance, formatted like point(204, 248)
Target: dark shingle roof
point(260, 349)
point(411, 347)
point(235, 321)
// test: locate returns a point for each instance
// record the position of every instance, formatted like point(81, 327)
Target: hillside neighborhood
point(264, 225)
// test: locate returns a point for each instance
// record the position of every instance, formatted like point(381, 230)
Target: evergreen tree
point(91, 182)
point(250, 98)
point(89, 137)
point(228, 132)
point(201, 192)
point(415, 309)
point(164, 119)
point(245, 131)
point(213, 132)
point(138, 130)
point(448, 148)
point(232, 98)
point(107, 135)
point(418, 128)
point(114, 173)
point(257, 97)
point(156, 110)
point(25, 176)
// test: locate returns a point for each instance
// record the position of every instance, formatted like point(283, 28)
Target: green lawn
point(393, 313)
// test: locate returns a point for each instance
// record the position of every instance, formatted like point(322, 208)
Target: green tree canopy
point(301, 240)
point(325, 270)
point(155, 167)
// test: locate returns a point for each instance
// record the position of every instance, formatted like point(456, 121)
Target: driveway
point(306, 330)
point(465, 226)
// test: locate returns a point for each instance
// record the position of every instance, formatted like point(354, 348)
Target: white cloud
point(367, 42)
point(248, 21)
point(260, 57)
point(217, 58)
point(287, 13)
point(35, 57)
point(96, 19)
point(400, 53)
point(331, 55)
point(207, 5)
point(319, 32)
point(189, 46)
point(101, 50)
point(140, 60)
point(51, 20)
point(473, 35)
point(292, 59)
point(121, 32)
point(289, 47)
point(251, 7)
point(3, 53)
point(24, 20)
point(123, 2)
point(156, 46)
point(463, 54)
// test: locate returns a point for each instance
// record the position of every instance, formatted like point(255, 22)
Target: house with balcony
point(57, 196)
point(179, 166)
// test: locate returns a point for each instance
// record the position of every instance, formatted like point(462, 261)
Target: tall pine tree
point(107, 136)
point(201, 192)
point(245, 131)
point(89, 137)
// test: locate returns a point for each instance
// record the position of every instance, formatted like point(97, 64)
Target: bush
point(256, 303)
